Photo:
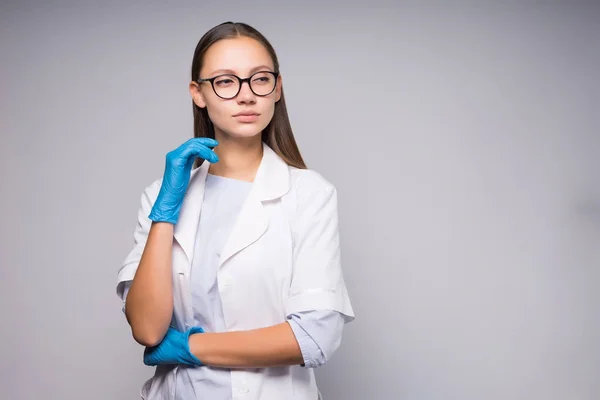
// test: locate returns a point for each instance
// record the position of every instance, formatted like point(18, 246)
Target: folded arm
point(265, 347)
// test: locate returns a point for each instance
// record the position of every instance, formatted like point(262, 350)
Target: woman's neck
point(238, 158)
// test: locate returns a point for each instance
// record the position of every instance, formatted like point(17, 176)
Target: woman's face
point(247, 114)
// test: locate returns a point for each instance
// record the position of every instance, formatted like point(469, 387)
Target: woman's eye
point(224, 82)
point(263, 79)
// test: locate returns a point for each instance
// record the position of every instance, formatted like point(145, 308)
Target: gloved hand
point(173, 349)
point(177, 175)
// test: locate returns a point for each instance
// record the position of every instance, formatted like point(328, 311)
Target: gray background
point(464, 141)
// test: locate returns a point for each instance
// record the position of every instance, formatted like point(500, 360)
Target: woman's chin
point(244, 132)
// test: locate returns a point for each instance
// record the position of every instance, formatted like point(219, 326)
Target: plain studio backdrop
point(464, 141)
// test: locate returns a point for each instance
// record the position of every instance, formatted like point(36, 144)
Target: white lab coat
point(282, 256)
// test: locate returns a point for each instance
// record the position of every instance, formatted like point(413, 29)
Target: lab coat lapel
point(271, 181)
point(250, 225)
point(189, 214)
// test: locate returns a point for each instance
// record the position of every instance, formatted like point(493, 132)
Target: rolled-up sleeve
point(319, 334)
point(317, 282)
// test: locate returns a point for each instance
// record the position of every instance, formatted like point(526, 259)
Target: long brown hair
point(278, 134)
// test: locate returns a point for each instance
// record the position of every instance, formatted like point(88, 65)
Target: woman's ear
point(278, 88)
point(197, 95)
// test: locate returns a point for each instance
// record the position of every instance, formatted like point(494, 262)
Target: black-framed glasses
point(228, 86)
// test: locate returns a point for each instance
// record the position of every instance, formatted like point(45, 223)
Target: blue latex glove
point(177, 176)
point(173, 349)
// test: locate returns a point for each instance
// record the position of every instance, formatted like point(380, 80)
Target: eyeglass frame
point(241, 82)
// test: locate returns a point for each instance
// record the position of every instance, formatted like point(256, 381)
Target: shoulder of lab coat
point(317, 281)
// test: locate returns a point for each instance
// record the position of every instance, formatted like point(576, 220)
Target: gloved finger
point(196, 149)
point(209, 142)
point(206, 141)
point(182, 149)
point(148, 357)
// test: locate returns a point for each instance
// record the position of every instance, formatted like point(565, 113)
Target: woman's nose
point(246, 95)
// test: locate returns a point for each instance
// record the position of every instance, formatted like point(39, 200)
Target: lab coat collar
point(272, 181)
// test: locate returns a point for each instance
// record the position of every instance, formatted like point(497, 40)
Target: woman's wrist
point(196, 346)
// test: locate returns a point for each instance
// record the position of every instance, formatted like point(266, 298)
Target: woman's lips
point(246, 117)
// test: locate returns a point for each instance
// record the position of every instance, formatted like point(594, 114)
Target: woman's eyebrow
point(253, 70)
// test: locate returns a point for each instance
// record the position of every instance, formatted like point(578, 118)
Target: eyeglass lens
point(227, 86)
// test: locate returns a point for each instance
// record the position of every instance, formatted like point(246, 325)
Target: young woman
point(234, 285)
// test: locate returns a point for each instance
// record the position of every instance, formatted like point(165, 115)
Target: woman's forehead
point(240, 56)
